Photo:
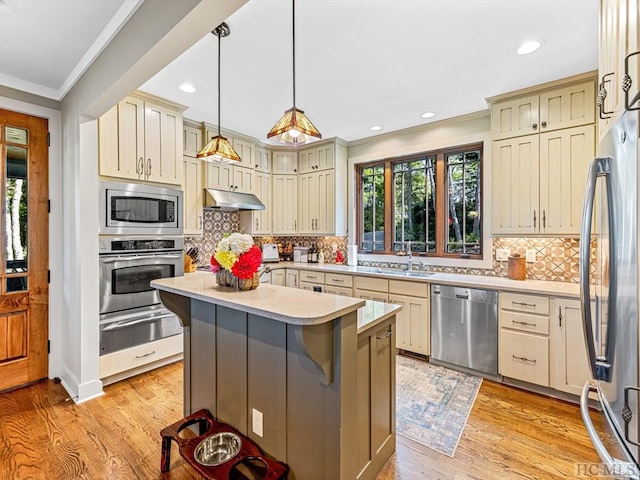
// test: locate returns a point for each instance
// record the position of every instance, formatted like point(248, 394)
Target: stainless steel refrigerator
point(609, 277)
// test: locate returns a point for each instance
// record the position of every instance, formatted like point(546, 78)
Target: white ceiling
point(358, 62)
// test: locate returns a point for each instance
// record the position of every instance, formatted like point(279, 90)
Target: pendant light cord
point(293, 29)
point(219, 35)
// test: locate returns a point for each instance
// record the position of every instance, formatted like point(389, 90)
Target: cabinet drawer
point(371, 283)
point(310, 285)
point(413, 289)
point(338, 279)
point(343, 291)
point(525, 322)
point(371, 295)
point(314, 277)
point(524, 357)
point(524, 303)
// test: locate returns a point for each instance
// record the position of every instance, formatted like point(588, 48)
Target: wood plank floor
point(510, 434)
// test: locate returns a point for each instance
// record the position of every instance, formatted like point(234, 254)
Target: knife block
point(517, 268)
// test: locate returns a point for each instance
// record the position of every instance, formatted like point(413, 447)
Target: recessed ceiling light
point(428, 115)
point(185, 87)
point(375, 128)
point(529, 46)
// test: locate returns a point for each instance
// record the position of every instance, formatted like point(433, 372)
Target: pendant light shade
point(219, 149)
point(294, 127)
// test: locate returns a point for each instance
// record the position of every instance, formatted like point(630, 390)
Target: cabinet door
point(325, 157)
point(246, 151)
point(284, 163)
point(262, 218)
point(285, 204)
point(372, 295)
point(263, 160)
point(243, 179)
point(279, 277)
point(572, 366)
point(192, 140)
point(516, 186)
point(131, 153)
point(325, 203)
point(162, 144)
point(109, 159)
point(383, 384)
point(564, 160)
point(567, 107)
point(307, 203)
point(219, 175)
point(192, 187)
point(514, 118)
point(412, 324)
point(292, 278)
point(307, 160)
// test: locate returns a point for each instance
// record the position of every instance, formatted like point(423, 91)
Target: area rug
point(433, 403)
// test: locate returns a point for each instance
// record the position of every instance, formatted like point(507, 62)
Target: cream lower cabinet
point(192, 187)
point(412, 322)
point(371, 288)
point(279, 277)
point(141, 138)
point(292, 278)
point(284, 203)
point(571, 363)
point(538, 182)
point(523, 341)
point(338, 284)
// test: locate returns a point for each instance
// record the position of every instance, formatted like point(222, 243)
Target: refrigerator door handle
point(601, 366)
point(612, 464)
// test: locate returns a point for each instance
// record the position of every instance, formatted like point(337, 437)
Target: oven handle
point(118, 326)
point(140, 257)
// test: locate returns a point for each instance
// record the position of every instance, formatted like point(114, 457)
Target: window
point(429, 202)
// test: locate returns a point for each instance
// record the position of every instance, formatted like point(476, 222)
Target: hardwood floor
point(510, 434)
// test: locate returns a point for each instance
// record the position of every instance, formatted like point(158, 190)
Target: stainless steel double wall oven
point(140, 241)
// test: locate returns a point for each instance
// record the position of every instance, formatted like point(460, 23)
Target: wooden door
point(564, 161)
point(24, 252)
point(515, 186)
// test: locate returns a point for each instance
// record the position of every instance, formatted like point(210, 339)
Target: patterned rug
point(433, 403)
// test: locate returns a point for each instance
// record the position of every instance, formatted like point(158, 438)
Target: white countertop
point(298, 307)
point(562, 289)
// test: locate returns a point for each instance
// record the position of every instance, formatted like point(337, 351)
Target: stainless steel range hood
point(224, 200)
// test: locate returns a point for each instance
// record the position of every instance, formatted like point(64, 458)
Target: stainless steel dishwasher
point(464, 328)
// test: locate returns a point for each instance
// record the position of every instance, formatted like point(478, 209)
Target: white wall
point(467, 129)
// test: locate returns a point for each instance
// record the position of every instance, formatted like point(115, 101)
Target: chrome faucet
point(410, 260)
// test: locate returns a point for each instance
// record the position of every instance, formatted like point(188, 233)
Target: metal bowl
point(217, 448)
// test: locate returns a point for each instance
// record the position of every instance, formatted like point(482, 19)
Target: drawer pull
point(384, 335)
point(309, 276)
point(524, 323)
point(337, 280)
point(524, 359)
point(146, 354)
point(524, 304)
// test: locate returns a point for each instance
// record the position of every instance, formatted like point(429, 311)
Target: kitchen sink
point(418, 274)
point(394, 271)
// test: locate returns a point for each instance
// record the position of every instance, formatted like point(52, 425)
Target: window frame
point(442, 187)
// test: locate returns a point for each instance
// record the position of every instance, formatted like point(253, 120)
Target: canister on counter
point(517, 267)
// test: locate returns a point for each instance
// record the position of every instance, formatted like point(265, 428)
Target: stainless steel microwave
point(136, 209)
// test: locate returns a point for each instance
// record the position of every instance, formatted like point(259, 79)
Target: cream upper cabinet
point(246, 151)
point(551, 109)
point(571, 365)
point(284, 212)
point(619, 37)
point(515, 185)
point(258, 222)
point(192, 187)
point(263, 160)
point(147, 135)
point(284, 162)
point(317, 158)
point(229, 177)
point(192, 140)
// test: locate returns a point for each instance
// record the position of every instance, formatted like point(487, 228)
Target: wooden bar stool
point(206, 452)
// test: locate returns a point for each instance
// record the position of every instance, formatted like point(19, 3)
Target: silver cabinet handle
point(560, 316)
point(534, 219)
point(146, 354)
point(601, 366)
point(384, 335)
point(523, 323)
point(544, 218)
point(139, 165)
point(148, 167)
point(119, 326)
point(199, 221)
point(139, 257)
point(524, 359)
point(524, 304)
point(256, 223)
point(337, 280)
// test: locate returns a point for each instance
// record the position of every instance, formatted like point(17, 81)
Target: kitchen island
point(308, 376)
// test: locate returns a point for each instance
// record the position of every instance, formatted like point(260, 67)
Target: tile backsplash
point(556, 258)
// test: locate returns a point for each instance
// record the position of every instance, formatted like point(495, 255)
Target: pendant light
point(294, 127)
point(219, 149)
